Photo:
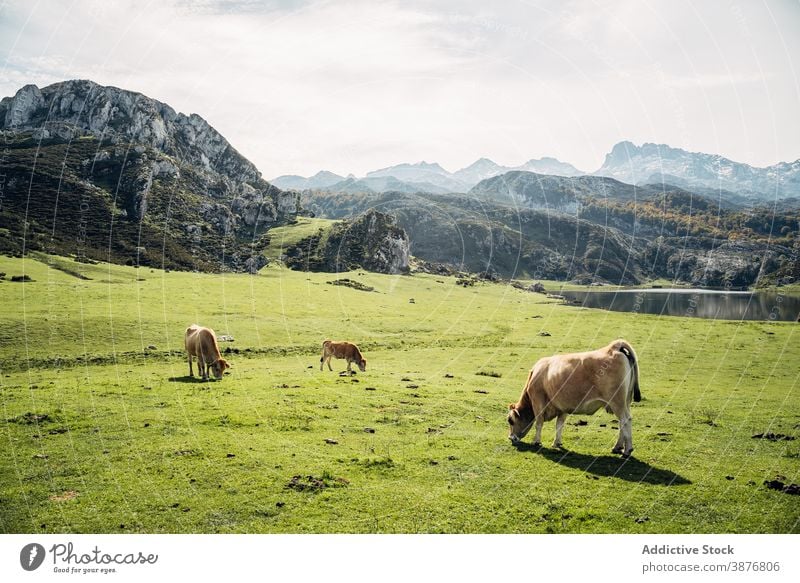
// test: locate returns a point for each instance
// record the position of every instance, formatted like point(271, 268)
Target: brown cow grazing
point(579, 383)
point(202, 343)
point(346, 350)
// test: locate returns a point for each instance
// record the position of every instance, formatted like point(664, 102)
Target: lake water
point(696, 303)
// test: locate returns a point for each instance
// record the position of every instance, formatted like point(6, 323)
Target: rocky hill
point(372, 241)
point(469, 235)
point(555, 193)
point(104, 173)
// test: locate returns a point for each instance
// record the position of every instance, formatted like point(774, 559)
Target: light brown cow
point(346, 350)
point(202, 343)
point(579, 383)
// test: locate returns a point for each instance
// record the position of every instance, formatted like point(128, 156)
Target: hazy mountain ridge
point(425, 177)
point(321, 179)
point(655, 163)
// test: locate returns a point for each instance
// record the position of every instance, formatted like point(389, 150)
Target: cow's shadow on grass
point(186, 379)
point(609, 466)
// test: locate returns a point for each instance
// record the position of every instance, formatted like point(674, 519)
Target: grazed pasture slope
point(102, 434)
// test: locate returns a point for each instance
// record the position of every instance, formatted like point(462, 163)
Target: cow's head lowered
point(520, 422)
point(362, 364)
point(218, 367)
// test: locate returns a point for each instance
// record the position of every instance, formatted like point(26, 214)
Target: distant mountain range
point(657, 164)
point(420, 177)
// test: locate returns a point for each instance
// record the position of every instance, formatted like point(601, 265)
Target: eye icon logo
point(31, 556)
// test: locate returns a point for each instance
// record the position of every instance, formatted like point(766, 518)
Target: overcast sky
point(351, 86)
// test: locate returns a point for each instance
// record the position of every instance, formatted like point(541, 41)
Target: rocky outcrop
point(119, 116)
point(370, 241)
point(133, 165)
point(734, 264)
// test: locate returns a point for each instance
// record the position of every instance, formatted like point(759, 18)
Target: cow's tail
point(625, 348)
point(325, 343)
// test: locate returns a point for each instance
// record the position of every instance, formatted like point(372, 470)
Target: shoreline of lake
point(754, 305)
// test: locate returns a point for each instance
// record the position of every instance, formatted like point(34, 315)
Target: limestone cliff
point(76, 151)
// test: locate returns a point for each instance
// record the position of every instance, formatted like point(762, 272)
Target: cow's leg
point(537, 439)
point(559, 426)
point(201, 364)
point(191, 372)
point(622, 413)
point(620, 440)
point(321, 361)
point(624, 443)
point(349, 367)
point(329, 362)
point(626, 428)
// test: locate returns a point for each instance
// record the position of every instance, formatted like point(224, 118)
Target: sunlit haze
point(299, 87)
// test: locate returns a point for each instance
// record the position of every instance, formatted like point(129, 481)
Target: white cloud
point(354, 85)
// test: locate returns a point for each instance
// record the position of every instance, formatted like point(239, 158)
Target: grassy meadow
point(102, 430)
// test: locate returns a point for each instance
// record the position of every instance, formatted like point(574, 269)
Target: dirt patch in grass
point(779, 485)
point(774, 436)
point(381, 462)
point(30, 418)
point(65, 496)
point(314, 484)
point(351, 283)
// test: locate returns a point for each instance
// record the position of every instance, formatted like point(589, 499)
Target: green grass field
point(283, 237)
point(102, 431)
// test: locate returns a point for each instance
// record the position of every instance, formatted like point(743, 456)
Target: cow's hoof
point(616, 450)
point(627, 454)
point(537, 444)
